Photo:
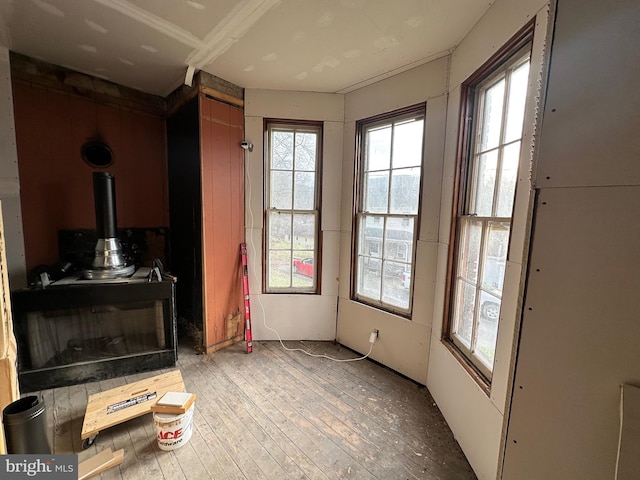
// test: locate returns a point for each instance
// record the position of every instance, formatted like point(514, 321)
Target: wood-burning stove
point(77, 331)
point(107, 321)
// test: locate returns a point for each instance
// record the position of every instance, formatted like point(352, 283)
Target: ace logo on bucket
point(170, 435)
point(52, 467)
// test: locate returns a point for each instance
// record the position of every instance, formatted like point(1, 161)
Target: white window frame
point(271, 211)
point(362, 252)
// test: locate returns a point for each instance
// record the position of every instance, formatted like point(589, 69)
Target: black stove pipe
point(104, 192)
point(109, 262)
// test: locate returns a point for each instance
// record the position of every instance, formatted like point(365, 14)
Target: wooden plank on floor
point(77, 403)
point(300, 447)
point(421, 421)
point(245, 409)
point(319, 411)
point(214, 457)
point(360, 411)
point(239, 441)
point(299, 410)
point(99, 463)
point(62, 418)
point(91, 464)
point(219, 453)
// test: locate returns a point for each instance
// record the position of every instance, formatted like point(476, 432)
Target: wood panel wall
point(8, 350)
point(56, 184)
point(222, 177)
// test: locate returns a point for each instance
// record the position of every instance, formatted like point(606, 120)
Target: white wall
point(9, 183)
point(402, 344)
point(410, 346)
point(580, 330)
point(307, 317)
point(477, 419)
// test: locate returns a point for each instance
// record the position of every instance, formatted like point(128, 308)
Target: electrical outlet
point(374, 336)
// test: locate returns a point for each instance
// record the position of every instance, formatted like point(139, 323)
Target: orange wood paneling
point(56, 184)
point(222, 130)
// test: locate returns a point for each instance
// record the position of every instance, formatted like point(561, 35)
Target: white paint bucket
point(173, 431)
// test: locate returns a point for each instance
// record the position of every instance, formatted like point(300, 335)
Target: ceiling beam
point(157, 23)
point(228, 31)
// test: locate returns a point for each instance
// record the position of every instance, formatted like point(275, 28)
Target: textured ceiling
point(303, 45)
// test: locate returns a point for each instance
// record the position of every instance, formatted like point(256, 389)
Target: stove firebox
point(85, 331)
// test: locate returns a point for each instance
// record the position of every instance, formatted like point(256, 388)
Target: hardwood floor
point(275, 414)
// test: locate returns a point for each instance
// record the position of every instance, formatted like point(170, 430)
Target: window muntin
point(293, 216)
point(390, 167)
point(485, 213)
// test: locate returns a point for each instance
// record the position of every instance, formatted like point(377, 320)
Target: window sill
point(382, 307)
point(474, 373)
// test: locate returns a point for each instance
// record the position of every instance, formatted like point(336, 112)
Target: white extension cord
point(372, 338)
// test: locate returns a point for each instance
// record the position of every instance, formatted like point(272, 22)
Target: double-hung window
point(387, 207)
point(292, 219)
point(487, 182)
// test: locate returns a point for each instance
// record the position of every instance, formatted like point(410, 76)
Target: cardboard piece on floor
point(174, 402)
point(97, 464)
point(628, 463)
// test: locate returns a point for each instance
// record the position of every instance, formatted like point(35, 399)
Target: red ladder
point(245, 288)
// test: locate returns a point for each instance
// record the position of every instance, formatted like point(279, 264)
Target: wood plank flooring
point(276, 414)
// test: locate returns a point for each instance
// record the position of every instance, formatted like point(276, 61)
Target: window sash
point(379, 267)
point(479, 273)
point(292, 216)
point(386, 220)
point(483, 222)
point(282, 260)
